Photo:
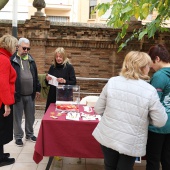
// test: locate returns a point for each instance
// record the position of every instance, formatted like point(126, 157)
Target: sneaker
point(7, 155)
point(19, 142)
point(32, 139)
point(6, 161)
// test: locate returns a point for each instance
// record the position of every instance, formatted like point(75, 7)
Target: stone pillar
point(39, 4)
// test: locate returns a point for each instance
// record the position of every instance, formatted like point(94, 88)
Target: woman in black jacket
point(64, 73)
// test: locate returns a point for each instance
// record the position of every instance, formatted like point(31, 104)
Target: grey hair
point(25, 40)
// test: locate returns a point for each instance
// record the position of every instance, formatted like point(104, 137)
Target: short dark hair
point(160, 51)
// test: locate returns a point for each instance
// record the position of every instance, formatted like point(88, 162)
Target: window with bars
point(93, 3)
point(58, 18)
point(92, 14)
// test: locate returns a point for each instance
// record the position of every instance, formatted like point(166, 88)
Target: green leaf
point(123, 10)
point(101, 12)
point(136, 12)
point(118, 38)
point(124, 31)
point(145, 10)
point(102, 8)
point(141, 35)
point(152, 27)
point(127, 9)
point(122, 46)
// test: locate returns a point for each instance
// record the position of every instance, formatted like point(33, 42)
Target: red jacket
point(7, 78)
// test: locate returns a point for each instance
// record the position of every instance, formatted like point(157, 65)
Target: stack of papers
point(90, 117)
point(53, 80)
point(73, 116)
point(76, 116)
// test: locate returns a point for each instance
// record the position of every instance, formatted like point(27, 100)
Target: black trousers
point(113, 160)
point(1, 151)
point(158, 151)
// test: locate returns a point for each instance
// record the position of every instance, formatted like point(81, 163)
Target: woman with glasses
point(8, 45)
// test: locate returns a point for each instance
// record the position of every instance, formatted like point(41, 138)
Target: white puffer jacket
point(127, 106)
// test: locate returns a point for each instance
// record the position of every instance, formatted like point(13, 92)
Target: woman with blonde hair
point(8, 45)
point(127, 104)
point(64, 72)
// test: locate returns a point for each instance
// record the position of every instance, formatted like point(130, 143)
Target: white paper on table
point(89, 116)
point(87, 109)
point(53, 81)
point(72, 116)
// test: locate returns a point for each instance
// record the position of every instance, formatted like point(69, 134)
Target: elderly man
point(27, 89)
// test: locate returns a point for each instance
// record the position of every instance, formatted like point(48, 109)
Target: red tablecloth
point(61, 137)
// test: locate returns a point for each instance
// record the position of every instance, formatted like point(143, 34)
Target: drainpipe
point(14, 18)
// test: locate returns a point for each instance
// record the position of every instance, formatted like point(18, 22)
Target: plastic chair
point(89, 100)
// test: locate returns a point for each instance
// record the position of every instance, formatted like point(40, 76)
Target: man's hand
point(37, 95)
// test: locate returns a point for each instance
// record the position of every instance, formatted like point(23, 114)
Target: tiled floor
point(24, 158)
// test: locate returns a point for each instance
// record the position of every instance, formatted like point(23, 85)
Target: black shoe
point(32, 139)
point(7, 155)
point(6, 161)
point(19, 142)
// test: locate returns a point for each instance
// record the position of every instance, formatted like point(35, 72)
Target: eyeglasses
point(26, 48)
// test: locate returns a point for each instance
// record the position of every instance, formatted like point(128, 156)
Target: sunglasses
point(26, 48)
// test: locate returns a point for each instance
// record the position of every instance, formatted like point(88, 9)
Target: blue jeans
point(113, 160)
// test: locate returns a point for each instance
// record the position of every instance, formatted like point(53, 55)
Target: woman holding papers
point(128, 103)
point(62, 72)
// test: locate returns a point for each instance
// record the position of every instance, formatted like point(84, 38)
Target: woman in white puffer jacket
point(127, 104)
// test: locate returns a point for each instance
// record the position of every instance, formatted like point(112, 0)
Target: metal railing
point(94, 79)
point(91, 79)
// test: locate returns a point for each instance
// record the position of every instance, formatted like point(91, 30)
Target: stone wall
point(90, 47)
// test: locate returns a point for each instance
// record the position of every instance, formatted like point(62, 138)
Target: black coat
point(6, 126)
point(60, 71)
point(33, 69)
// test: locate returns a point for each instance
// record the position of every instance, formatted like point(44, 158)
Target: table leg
point(49, 162)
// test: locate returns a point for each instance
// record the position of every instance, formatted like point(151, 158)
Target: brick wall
point(90, 47)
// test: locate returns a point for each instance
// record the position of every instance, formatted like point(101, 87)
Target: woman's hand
point(61, 80)
point(48, 77)
point(7, 110)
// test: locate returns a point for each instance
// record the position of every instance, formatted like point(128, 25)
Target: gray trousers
point(26, 106)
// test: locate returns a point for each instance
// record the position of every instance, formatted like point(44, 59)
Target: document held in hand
point(53, 80)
